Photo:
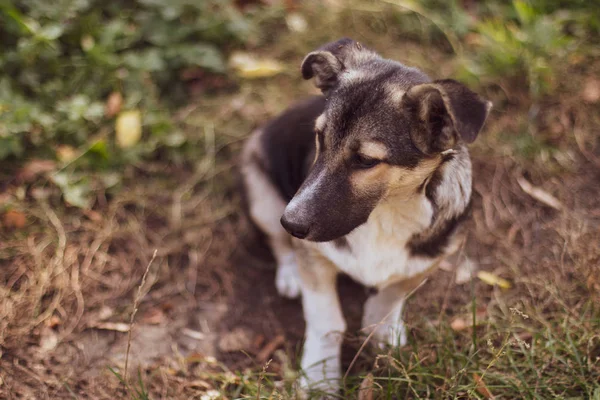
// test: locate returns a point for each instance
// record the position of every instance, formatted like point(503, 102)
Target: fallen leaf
point(465, 270)
point(195, 357)
point(93, 215)
point(296, 22)
point(193, 334)
point(153, 317)
point(14, 219)
point(113, 104)
point(459, 324)
point(539, 194)
point(365, 392)
point(66, 153)
point(34, 168)
point(48, 340)
point(269, 348)
point(591, 90)
point(236, 340)
point(249, 67)
point(128, 128)
point(112, 326)
point(481, 387)
point(493, 280)
point(105, 313)
point(53, 321)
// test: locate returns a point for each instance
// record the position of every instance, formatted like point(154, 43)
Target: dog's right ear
point(445, 112)
point(326, 63)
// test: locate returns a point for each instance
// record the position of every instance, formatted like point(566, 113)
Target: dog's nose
point(294, 229)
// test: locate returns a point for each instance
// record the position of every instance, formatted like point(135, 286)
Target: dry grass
point(69, 273)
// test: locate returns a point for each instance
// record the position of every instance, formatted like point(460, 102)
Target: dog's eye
point(360, 161)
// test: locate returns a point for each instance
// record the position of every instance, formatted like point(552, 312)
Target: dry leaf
point(236, 340)
point(193, 334)
point(591, 90)
point(493, 280)
point(481, 387)
point(112, 326)
point(34, 168)
point(48, 340)
point(14, 219)
point(247, 66)
point(113, 104)
point(459, 324)
point(465, 270)
point(539, 194)
point(66, 153)
point(269, 348)
point(153, 317)
point(365, 392)
point(93, 215)
point(128, 128)
point(296, 22)
point(53, 321)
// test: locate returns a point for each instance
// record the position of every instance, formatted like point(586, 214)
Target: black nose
point(294, 229)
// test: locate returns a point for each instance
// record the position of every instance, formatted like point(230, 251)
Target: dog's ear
point(445, 111)
point(326, 63)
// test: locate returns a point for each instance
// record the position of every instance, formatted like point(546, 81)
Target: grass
point(540, 339)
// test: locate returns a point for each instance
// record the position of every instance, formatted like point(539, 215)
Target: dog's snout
point(294, 228)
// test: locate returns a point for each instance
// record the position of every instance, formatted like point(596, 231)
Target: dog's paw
point(391, 335)
point(316, 388)
point(287, 280)
point(386, 335)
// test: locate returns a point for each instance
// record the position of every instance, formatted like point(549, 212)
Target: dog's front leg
point(325, 323)
point(383, 314)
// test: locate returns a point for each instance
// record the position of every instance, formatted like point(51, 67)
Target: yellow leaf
point(66, 153)
point(128, 128)
point(493, 280)
point(248, 66)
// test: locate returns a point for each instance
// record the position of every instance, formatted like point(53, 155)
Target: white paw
point(386, 334)
point(391, 335)
point(314, 383)
point(287, 280)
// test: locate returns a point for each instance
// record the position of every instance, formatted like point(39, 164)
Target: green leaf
point(145, 60)
point(201, 55)
point(75, 192)
point(99, 148)
point(525, 12)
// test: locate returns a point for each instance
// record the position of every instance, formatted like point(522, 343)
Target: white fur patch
point(373, 150)
point(320, 122)
point(378, 254)
point(353, 76)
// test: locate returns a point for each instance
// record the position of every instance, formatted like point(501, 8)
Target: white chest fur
point(377, 253)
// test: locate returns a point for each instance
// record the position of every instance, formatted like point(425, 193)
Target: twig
point(135, 309)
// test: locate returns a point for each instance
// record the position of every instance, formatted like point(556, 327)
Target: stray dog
point(372, 179)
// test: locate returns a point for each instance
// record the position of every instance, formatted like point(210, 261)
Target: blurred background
point(120, 124)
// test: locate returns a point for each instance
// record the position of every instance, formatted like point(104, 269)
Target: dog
point(372, 179)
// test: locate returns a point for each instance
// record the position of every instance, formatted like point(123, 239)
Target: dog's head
point(382, 133)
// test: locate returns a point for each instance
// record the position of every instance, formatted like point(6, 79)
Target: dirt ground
point(208, 307)
point(220, 301)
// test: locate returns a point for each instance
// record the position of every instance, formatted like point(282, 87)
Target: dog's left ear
point(326, 63)
point(446, 111)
